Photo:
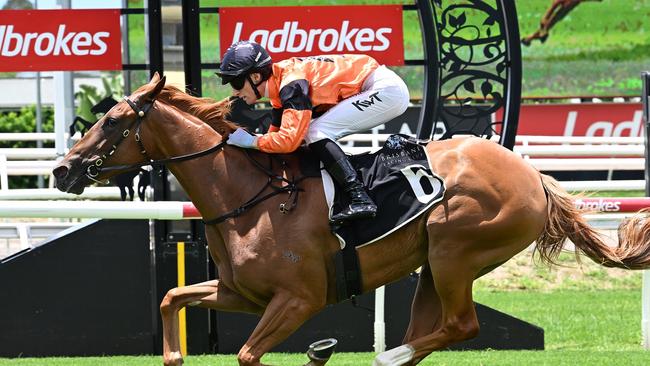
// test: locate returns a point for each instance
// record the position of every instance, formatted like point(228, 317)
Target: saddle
point(399, 179)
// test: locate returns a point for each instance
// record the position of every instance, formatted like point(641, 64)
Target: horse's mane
point(208, 110)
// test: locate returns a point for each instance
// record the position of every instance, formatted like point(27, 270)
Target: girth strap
point(348, 273)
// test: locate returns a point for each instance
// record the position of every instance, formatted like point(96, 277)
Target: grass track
point(483, 358)
point(582, 327)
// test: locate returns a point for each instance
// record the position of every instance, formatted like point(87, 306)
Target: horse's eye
point(111, 122)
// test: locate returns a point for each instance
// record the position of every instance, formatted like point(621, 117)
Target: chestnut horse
point(280, 265)
point(556, 12)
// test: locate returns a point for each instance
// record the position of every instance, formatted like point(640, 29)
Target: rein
point(290, 186)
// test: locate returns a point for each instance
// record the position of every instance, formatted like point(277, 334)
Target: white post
point(380, 325)
point(645, 309)
point(4, 179)
point(63, 109)
point(63, 101)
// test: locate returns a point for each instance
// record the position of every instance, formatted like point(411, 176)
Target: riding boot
point(361, 205)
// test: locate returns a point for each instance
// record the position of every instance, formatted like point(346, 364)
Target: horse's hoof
point(320, 352)
point(174, 359)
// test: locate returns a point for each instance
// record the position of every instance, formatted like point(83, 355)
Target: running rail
point(174, 210)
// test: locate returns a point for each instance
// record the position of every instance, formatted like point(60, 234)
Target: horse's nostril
point(60, 172)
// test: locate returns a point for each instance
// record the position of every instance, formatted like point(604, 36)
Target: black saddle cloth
point(400, 180)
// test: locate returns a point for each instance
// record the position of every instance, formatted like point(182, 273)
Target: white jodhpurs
point(383, 97)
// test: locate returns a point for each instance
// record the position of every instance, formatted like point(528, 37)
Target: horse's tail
point(565, 221)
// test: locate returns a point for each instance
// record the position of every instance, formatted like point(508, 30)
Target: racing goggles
point(238, 82)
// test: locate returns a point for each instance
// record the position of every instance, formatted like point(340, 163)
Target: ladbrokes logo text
point(304, 31)
point(58, 40)
point(43, 44)
point(295, 39)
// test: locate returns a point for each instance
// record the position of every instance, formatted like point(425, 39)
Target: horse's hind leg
point(453, 279)
point(210, 294)
point(426, 311)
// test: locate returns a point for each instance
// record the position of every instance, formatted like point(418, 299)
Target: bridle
point(290, 185)
point(97, 166)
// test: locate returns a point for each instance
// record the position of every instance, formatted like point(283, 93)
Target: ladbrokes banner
point(584, 119)
point(58, 40)
point(314, 30)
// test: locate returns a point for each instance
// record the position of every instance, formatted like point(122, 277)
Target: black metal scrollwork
point(479, 68)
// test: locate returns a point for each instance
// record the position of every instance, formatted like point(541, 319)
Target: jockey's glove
point(242, 138)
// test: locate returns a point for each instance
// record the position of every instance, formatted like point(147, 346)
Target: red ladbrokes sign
point(57, 40)
point(586, 119)
point(315, 30)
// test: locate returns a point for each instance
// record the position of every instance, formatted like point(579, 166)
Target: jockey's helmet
point(243, 58)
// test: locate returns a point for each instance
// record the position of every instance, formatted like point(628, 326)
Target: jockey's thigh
point(383, 96)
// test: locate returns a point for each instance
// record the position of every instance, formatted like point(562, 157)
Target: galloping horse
point(556, 12)
point(280, 265)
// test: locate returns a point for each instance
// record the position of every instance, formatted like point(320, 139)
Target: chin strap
point(257, 92)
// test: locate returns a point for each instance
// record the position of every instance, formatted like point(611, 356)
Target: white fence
point(547, 153)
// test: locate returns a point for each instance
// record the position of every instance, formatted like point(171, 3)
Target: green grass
point(598, 49)
point(483, 358)
point(582, 327)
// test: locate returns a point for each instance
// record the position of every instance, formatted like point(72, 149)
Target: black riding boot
point(361, 206)
point(339, 167)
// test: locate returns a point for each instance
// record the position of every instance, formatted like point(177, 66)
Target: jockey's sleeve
point(295, 119)
point(276, 120)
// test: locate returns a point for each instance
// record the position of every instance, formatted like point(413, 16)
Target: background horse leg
point(453, 278)
point(545, 24)
point(283, 315)
point(210, 294)
point(556, 18)
point(426, 311)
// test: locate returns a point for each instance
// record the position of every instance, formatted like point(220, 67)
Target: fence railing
point(546, 153)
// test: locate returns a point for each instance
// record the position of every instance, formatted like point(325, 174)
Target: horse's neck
point(213, 181)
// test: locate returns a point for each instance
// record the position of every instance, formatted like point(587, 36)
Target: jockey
point(319, 100)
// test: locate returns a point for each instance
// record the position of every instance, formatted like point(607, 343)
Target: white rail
point(28, 153)
point(27, 136)
point(588, 164)
point(29, 167)
point(581, 150)
point(94, 193)
point(604, 185)
point(522, 139)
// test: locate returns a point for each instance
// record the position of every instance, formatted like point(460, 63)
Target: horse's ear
point(155, 78)
point(155, 90)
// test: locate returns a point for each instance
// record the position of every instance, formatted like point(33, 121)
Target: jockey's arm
point(295, 120)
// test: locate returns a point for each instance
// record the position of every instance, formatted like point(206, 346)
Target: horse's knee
point(167, 303)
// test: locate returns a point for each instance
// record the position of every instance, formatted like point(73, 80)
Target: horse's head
point(114, 140)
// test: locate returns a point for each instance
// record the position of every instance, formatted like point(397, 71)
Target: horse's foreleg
point(210, 294)
point(283, 315)
point(426, 311)
point(453, 282)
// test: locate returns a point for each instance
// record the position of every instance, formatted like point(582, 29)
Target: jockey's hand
point(242, 138)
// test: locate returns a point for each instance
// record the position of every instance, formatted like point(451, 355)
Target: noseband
point(95, 167)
